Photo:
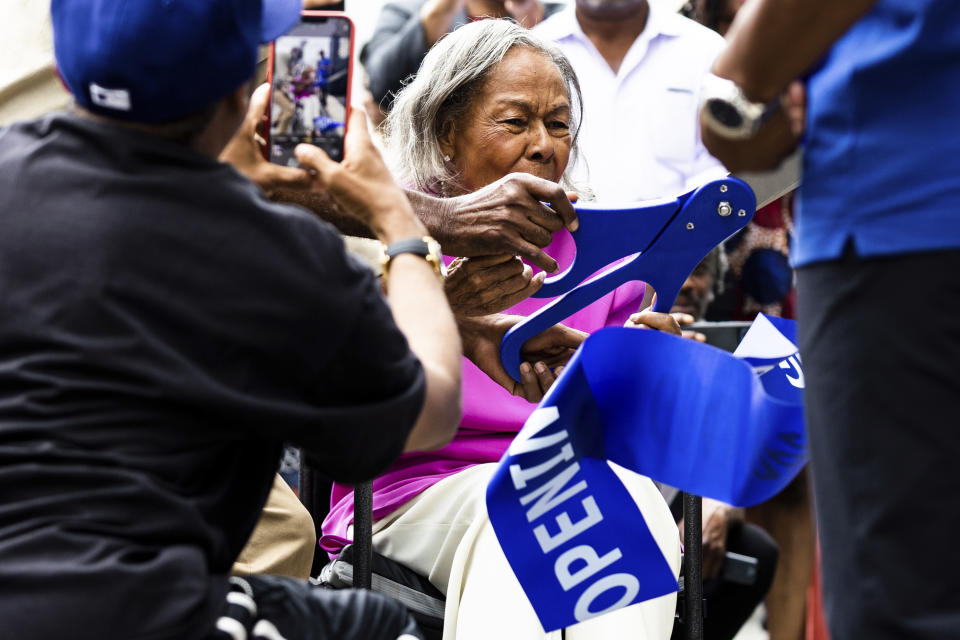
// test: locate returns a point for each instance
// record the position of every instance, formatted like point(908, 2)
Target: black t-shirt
point(163, 330)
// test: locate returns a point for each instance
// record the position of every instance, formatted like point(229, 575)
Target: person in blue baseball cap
point(155, 62)
point(165, 329)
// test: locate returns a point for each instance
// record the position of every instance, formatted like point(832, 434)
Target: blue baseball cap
point(156, 61)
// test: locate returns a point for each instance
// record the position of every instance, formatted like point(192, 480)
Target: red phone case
point(305, 16)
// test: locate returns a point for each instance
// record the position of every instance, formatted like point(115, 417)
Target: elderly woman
point(489, 100)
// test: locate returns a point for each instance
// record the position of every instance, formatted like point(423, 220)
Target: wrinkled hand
point(361, 185)
point(543, 355)
point(245, 151)
point(481, 286)
point(777, 137)
point(652, 320)
point(507, 217)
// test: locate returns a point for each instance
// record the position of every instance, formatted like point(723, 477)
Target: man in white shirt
point(640, 68)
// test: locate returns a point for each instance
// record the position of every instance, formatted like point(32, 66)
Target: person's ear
point(447, 140)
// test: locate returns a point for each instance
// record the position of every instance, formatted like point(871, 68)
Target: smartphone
point(724, 335)
point(309, 70)
point(736, 568)
point(739, 569)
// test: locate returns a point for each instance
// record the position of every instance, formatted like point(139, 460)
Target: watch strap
point(425, 247)
point(416, 246)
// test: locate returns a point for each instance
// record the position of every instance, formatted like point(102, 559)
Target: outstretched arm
point(362, 185)
point(516, 215)
point(506, 217)
point(772, 42)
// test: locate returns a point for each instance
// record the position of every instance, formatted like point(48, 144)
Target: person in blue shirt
point(324, 68)
point(878, 228)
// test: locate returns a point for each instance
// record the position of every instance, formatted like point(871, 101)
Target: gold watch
point(425, 247)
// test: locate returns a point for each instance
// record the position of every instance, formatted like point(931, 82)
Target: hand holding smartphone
point(310, 71)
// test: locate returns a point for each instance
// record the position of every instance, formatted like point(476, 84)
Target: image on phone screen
point(310, 82)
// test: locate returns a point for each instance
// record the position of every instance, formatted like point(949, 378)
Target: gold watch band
point(425, 247)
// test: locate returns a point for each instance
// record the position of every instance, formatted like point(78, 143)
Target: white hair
point(441, 93)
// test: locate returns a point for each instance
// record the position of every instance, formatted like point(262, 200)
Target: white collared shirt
point(640, 135)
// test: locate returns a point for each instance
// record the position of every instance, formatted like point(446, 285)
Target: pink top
point(491, 416)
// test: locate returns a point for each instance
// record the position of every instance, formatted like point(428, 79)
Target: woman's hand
point(683, 319)
point(717, 519)
point(669, 322)
point(716, 524)
point(544, 355)
point(245, 151)
point(652, 320)
point(506, 216)
point(481, 286)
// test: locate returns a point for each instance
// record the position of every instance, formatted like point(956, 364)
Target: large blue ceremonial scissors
point(669, 238)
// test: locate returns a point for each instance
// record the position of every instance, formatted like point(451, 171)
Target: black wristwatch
point(727, 112)
point(425, 247)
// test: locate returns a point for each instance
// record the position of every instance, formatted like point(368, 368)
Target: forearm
point(773, 42)
point(433, 213)
point(474, 329)
point(362, 185)
point(430, 210)
point(325, 209)
point(421, 312)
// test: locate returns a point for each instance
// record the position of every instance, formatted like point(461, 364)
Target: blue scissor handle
point(606, 235)
point(692, 225)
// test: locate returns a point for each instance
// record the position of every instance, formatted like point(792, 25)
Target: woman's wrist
point(475, 330)
point(470, 329)
point(431, 211)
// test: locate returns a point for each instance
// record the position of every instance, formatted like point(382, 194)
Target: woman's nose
point(540, 147)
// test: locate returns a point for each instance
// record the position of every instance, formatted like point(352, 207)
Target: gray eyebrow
point(526, 105)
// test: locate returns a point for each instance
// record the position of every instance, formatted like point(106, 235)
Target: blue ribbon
point(680, 412)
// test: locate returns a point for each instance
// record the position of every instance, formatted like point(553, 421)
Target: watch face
point(725, 113)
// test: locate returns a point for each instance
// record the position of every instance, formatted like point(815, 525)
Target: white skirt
point(445, 534)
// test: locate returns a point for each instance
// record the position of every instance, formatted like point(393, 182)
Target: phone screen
point(310, 85)
point(723, 335)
